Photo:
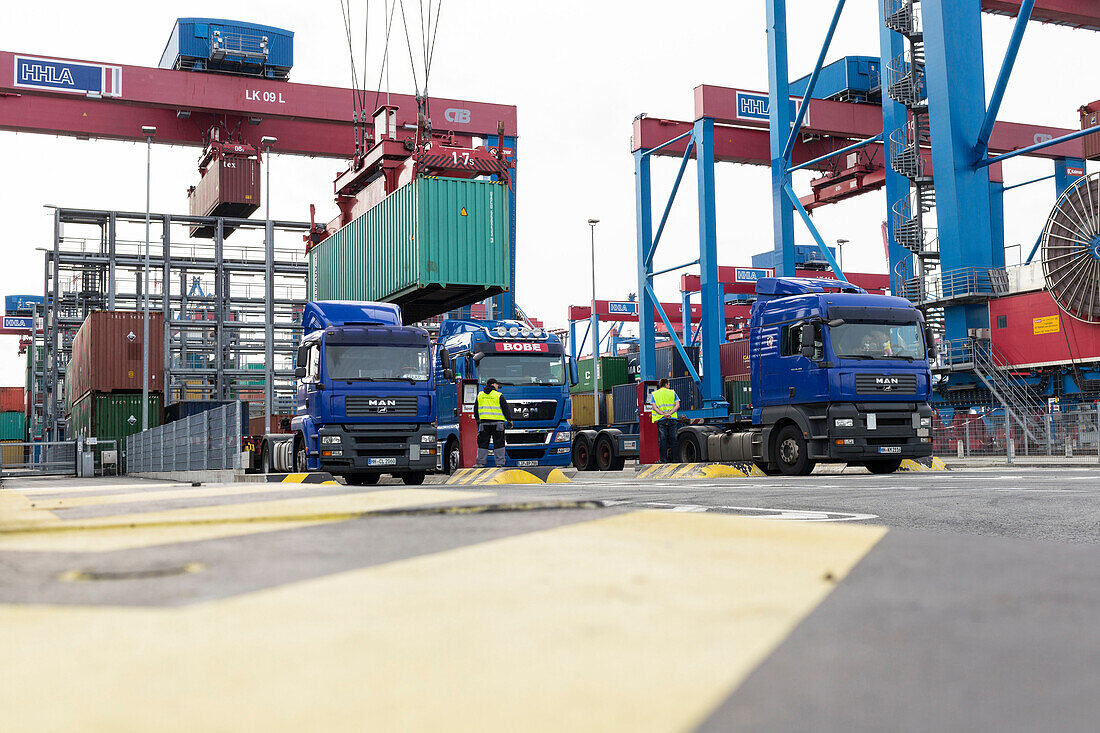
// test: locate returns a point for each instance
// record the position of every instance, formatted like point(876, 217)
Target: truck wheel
point(583, 457)
point(452, 457)
point(887, 466)
point(690, 450)
point(606, 460)
point(413, 479)
point(791, 453)
point(300, 465)
point(265, 460)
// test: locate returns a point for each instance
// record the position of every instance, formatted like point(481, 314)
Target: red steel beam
point(870, 281)
point(1075, 13)
point(672, 310)
point(308, 119)
point(861, 121)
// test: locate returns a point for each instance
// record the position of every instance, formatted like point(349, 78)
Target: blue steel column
point(956, 105)
point(685, 317)
point(573, 340)
point(997, 221)
point(709, 285)
point(1062, 177)
point(504, 305)
point(780, 130)
point(894, 116)
point(643, 196)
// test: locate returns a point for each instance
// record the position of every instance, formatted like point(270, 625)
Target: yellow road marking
point(44, 531)
point(189, 492)
point(640, 622)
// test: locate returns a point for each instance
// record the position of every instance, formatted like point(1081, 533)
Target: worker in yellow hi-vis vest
point(493, 414)
point(665, 404)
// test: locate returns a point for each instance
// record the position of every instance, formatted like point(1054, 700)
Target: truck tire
point(265, 459)
point(689, 449)
point(584, 459)
point(606, 457)
point(888, 466)
point(451, 457)
point(300, 457)
point(414, 478)
point(791, 454)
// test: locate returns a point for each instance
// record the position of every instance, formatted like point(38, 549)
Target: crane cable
point(427, 29)
point(357, 99)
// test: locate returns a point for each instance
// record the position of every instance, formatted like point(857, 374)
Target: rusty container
point(1090, 144)
point(230, 187)
point(734, 359)
point(107, 353)
point(279, 424)
point(12, 398)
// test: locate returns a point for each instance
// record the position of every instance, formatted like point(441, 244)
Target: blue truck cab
point(365, 400)
point(837, 375)
point(531, 366)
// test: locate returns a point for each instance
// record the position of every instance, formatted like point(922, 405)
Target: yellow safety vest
point(664, 398)
point(488, 406)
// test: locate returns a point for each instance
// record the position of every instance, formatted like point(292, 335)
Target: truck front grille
point(370, 406)
point(886, 384)
point(538, 438)
point(533, 410)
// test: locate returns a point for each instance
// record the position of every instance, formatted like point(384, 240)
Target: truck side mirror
point(445, 358)
point(836, 323)
point(933, 352)
point(573, 376)
point(808, 340)
point(449, 375)
point(300, 372)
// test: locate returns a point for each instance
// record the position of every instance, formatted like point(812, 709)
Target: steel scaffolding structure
point(219, 312)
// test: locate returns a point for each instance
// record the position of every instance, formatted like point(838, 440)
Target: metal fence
point(38, 459)
point(1072, 433)
point(210, 440)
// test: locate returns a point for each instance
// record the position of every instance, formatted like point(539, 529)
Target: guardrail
point(207, 441)
point(965, 282)
point(1072, 432)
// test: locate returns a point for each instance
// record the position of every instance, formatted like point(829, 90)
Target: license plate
point(890, 449)
point(524, 464)
point(381, 461)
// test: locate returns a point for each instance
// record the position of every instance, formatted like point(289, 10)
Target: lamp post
point(269, 291)
point(149, 132)
point(840, 252)
point(594, 328)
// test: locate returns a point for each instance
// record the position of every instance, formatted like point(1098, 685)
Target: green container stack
point(613, 372)
point(113, 416)
point(431, 246)
point(738, 393)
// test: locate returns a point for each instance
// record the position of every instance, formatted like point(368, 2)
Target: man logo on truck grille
point(382, 403)
point(886, 384)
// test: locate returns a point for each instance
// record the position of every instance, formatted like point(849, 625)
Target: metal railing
point(990, 432)
point(965, 282)
point(207, 441)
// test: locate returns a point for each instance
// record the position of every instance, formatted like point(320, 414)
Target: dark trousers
point(490, 431)
point(666, 439)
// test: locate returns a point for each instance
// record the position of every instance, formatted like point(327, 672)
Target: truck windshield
point(376, 362)
point(878, 341)
point(518, 370)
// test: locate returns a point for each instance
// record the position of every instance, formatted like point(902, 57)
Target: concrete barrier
point(496, 476)
point(698, 470)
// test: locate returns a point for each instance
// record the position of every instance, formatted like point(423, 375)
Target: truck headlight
point(926, 422)
point(562, 437)
point(428, 438)
point(844, 422)
point(330, 439)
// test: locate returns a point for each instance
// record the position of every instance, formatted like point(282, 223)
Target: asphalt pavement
point(960, 600)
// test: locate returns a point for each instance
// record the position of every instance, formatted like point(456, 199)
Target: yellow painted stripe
point(524, 633)
point(683, 470)
point(557, 476)
point(189, 492)
point(295, 478)
point(46, 532)
point(720, 470)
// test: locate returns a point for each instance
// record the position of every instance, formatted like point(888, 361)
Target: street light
point(149, 132)
point(840, 251)
point(594, 328)
point(269, 290)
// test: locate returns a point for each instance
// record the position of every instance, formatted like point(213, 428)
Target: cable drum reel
point(1071, 250)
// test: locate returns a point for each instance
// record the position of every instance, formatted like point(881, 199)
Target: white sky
point(578, 72)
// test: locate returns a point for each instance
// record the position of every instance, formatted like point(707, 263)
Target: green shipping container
point(738, 394)
point(113, 416)
point(431, 246)
point(613, 372)
point(13, 426)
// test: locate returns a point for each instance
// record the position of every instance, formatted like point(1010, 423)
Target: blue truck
point(365, 402)
point(531, 366)
point(837, 375)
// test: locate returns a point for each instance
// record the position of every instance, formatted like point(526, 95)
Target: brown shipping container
point(584, 410)
point(12, 399)
point(230, 187)
point(1090, 144)
point(105, 359)
point(734, 358)
point(279, 424)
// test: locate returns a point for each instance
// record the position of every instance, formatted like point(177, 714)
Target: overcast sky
point(578, 72)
